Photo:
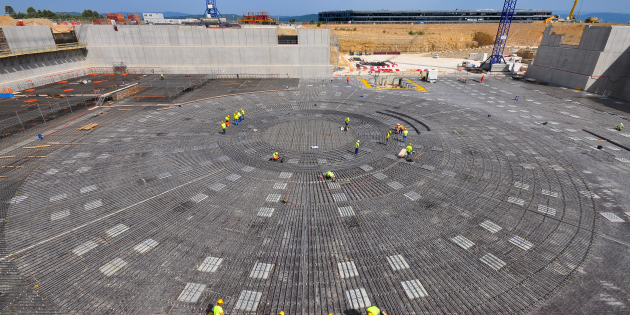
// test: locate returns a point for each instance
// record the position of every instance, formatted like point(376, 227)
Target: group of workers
point(218, 310)
point(238, 117)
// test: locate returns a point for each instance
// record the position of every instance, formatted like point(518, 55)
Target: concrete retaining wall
point(600, 63)
point(29, 37)
point(167, 49)
point(27, 71)
point(191, 49)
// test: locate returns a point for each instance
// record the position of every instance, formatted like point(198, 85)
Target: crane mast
point(572, 10)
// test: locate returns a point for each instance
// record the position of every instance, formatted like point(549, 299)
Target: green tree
point(311, 22)
point(30, 11)
point(8, 10)
point(319, 24)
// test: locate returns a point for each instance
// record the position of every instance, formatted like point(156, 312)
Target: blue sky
point(300, 7)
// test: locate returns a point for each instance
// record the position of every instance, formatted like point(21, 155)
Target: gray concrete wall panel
point(29, 37)
point(600, 63)
point(174, 49)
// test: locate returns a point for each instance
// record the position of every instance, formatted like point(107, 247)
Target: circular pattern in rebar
point(162, 213)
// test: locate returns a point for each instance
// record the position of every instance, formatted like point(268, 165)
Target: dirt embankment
point(441, 37)
point(6, 20)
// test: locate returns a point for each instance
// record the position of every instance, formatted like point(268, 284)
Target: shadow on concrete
point(615, 83)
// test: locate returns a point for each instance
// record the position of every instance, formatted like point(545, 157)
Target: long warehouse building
point(453, 16)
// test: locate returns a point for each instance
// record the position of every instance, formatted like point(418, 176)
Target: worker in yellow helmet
point(227, 120)
point(218, 310)
point(243, 114)
point(405, 133)
point(275, 156)
point(236, 118)
point(387, 137)
point(281, 313)
point(223, 126)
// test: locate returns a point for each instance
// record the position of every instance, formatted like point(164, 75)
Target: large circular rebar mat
point(161, 213)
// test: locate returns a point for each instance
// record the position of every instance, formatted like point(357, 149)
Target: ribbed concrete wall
point(22, 72)
point(601, 62)
point(29, 37)
point(167, 49)
point(191, 49)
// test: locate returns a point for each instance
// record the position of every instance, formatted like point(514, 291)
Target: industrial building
point(158, 18)
point(388, 16)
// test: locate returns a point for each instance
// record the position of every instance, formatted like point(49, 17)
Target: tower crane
point(502, 35)
point(212, 16)
point(571, 17)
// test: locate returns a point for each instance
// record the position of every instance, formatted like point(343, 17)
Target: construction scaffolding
point(257, 18)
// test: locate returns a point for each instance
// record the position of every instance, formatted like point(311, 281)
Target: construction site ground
point(404, 62)
point(507, 207)
point(441, 37)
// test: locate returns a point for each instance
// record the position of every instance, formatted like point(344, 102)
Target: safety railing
point(175, 90)
point(41, 113)
point(29, 84)
point(37, 50)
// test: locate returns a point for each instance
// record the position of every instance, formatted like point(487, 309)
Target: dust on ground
point(429, 38)
point(6, 20)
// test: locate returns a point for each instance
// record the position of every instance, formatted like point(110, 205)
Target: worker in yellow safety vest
point(405, 133)
point(227, 120)
point(243, 114)
point(356, 147)
point(387, 137)
point(275, 156)
point(620, 126)
point(218, 310)
point(236, 118)
point(223, 126)
point(330, 175)
point(347, 122)
point(409, 149)
point(373, 310)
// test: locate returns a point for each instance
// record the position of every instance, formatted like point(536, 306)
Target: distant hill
point(299, 18)
point(70, 13)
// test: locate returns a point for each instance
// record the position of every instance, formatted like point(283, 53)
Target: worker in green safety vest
point(356, 147)
point(243, 114)
point(217, 309)
point(347, 122)
point(387, 136)
point(620, 126)
point(330, 175)
point(275, 156)
point(405, 133)
point(223, 126)
point(409, 149)
point(373, 310)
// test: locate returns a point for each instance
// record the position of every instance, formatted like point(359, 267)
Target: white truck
point(430, 75)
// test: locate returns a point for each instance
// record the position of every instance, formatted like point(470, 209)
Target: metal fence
point(42, 114)
point(174, 90)
point(425, 22)
point(36, 50)
point(29, 84)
